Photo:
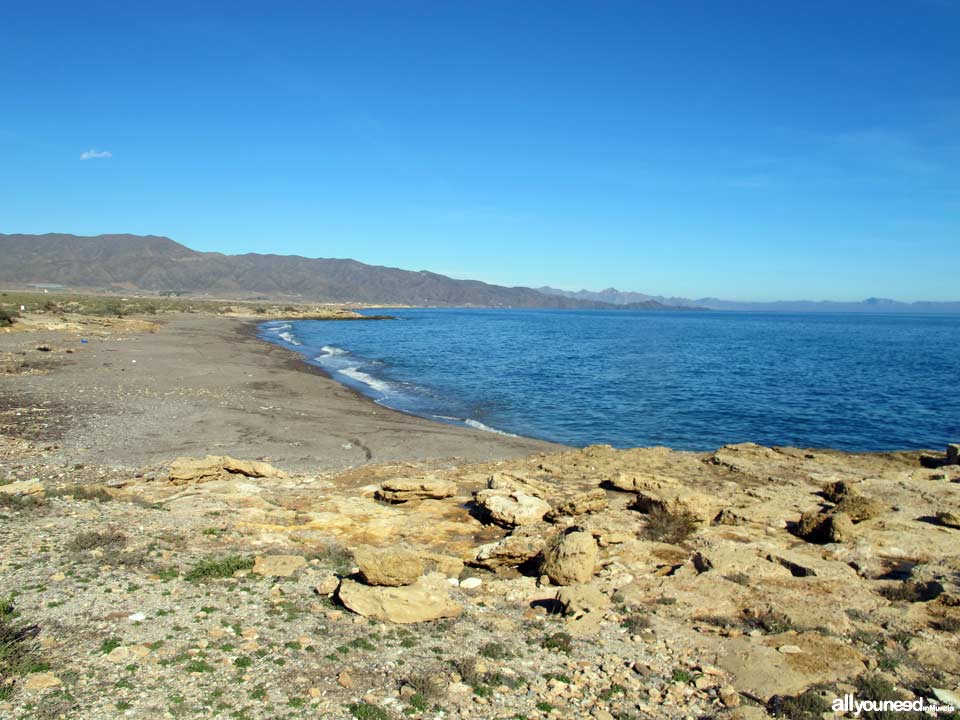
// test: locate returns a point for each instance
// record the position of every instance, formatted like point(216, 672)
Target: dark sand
point(206, 385)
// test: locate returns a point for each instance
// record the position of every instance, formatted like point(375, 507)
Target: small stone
point(729, 696)
point(789, 650)
point(119, 654)
point(328, 585)
point(471, 583)
point(41, 681)
point(345, 680)
point(137, 617)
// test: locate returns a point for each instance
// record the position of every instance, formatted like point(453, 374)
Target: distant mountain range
point(870, 305)
point(156, 264)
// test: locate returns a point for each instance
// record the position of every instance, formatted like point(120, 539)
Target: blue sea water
point(688, 380)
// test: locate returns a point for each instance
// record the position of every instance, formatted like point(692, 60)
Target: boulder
point(825, 527)
point(389, 566)
point(511, 551)
point(680, 501)
point(588, 502)
point(512, 508)
point(426, 599)
point(846, 500)
point(401, 490)
point(185, 470)
point(278, 565)
point(570, 559)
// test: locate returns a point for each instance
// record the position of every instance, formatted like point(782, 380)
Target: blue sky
point(745, 150)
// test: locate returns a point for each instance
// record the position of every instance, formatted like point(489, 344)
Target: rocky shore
point(195, 576)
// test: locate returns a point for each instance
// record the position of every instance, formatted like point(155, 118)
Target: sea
point(687, 380)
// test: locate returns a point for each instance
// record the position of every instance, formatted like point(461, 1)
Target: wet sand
point(206, 385)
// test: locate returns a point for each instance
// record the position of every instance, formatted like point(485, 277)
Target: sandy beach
point(204, 384)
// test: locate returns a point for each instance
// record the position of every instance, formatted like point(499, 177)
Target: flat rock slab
point(278, 565)
point(427, 599)
point(401, 490)
point(761, 669)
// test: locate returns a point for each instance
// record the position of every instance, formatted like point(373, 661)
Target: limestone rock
point(680, 501)
point(41, 681)
point(825, 527)
point(401, 490)
point(635, 482)
point(583, 607)
point(588, 502)
point(512, 508)
point(760, 669)
point(570, 559)
point(217, 467)
point(426, 599)
point(950, 519)
point(389, 566)
point(517, 483)
point(438, 562)
point(577, 600)
point(512, 550)
point(22, 487)
point(857, 507)
point(278, 565)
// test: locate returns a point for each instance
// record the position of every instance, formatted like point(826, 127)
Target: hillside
point(154, 263)
point(870, 305)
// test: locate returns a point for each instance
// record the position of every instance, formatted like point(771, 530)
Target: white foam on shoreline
point(369, 380)
point(476, 424)
point(330, 350)
point(288, 336)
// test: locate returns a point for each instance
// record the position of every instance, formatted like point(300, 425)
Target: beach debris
point(403, 490)
point(426, 599)
point(278, 565)
point(219, 467)
point(512, 508)
point(570, 559)
point(390, 567)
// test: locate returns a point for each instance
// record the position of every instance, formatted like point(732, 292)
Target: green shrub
point(673, 528)
point(215, 568)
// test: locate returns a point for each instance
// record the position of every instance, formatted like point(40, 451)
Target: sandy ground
point(206, 385)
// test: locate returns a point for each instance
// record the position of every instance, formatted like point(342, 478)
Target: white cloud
point(92, 154)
